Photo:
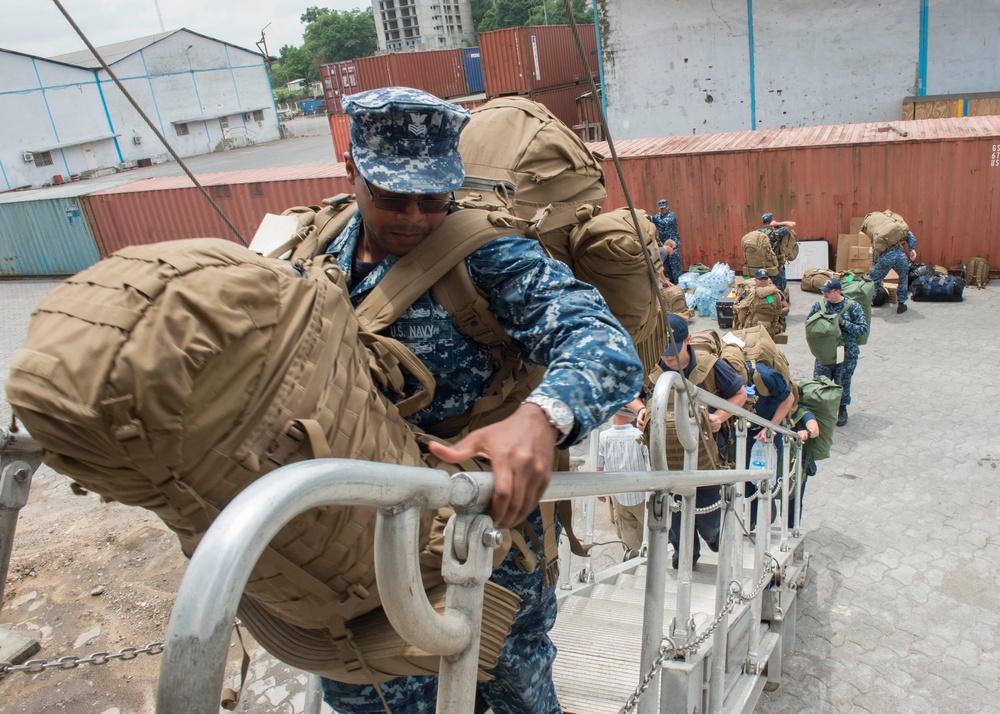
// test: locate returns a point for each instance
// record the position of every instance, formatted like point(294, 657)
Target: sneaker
point(901, 308)
point(842, 416)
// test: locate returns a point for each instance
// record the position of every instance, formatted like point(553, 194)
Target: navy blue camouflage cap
point(405, 140)
point(662, 203)
point(767, 218)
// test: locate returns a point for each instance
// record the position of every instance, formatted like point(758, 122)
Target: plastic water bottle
point(758, 456)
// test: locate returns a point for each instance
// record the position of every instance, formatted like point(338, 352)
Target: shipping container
point(339, 78)
point(519, 60)
point(942, 106)
point(340, 132)
point(939, 174)
point(473, 70)
point(48, 231)
point(171, 208)
point(563, 102)
point(373, 72)
point(439, 72)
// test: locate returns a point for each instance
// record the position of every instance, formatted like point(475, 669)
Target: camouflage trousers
point(780, 280)
point(522, 679)
point(673, 267)
point(841, 373)
point(893, 259)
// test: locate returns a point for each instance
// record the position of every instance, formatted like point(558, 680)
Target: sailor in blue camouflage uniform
point(666, 225)
point(852, 326)
point(776, 230)
point(404, 164)
point(896, 258)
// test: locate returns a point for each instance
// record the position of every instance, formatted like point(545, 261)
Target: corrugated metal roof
point(111, 53)
point(228, 178)
point(69, 190)
point(832, 135)
point(120, 50)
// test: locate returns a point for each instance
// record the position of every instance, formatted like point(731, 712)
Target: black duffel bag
point(940, 288)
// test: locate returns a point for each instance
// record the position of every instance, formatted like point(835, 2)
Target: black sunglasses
point(401, 205)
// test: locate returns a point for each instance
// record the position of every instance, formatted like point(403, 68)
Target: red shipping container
point(562, 102)
point(519, 60)
point(439, 72)
point(821, 177)
point(340, 132)
point(171, 208)
point(372, 72)
point(338, 78)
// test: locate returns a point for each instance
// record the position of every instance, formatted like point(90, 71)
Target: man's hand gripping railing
point(197, 642)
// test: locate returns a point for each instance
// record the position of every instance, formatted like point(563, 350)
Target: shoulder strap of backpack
point(461, 234)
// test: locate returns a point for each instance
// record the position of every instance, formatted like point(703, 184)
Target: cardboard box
point(847, 258)
point(893, 290)
point(892, 276)
point(856, 225)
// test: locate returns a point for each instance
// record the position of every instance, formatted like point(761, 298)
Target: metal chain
point(669, 649)
point(34, 666)
point(675, 507)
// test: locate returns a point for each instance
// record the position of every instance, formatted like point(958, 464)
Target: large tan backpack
point(758, 253)
point(813, 278)
point(758, 346)
point(977, 273)
point(759, 306)
point(120, 380)
point(788, 246)
point(885, 229)
point(520, 157)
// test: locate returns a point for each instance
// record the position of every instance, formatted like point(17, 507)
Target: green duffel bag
point(821, 396)
point(860, 289)
point(823, 335)
point(699, 268)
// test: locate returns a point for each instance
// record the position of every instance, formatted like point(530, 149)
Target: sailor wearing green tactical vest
point(852, 326)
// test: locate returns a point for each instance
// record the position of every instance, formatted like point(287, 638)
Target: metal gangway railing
point(197, 642)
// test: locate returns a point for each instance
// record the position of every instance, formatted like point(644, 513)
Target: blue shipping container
point(473, 70)
point(312, 106)
point(45, 237)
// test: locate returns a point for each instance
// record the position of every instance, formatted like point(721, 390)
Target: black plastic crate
point(724, 308)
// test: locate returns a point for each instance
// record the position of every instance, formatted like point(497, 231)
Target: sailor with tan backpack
point(893, 247)
point(770, 247)
point(171, 376)
point(760, 302)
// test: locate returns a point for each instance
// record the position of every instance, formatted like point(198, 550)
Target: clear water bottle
point(758, 456)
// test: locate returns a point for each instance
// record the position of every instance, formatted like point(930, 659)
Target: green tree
point(506, 13)
point(335, 36)
point(554, 13)
point(293, 63)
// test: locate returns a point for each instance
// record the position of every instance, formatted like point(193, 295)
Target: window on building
point(42, 158)
point(182, 129)
point(258, 115)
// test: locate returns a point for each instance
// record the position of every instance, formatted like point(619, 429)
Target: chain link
point(34, 666)
point(669, 649)
point(675, 507)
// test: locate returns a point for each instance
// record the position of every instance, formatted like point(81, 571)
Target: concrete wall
point(183, 76)
point(732, 65)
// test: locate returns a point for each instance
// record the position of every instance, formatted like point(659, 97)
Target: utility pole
point(262, 46)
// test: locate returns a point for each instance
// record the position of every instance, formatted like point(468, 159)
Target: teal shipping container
point(48, 231)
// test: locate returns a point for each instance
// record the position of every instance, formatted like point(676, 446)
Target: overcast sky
point(36, 27)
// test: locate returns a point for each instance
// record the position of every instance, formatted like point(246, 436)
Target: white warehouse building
point(64, 117)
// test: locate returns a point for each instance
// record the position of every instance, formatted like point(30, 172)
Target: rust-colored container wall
point(170, 208)
point(340, 132)
point(524, 59)
point(440, 72)
point(338, 78)
point(372, 72)
point(943, 177)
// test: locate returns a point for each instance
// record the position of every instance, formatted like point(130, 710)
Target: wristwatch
point(559, 415)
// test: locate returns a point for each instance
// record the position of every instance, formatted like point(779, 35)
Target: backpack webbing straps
point(461, 234)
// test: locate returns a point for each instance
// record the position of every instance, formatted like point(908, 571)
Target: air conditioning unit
point(27, 157)
point(136, 139)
